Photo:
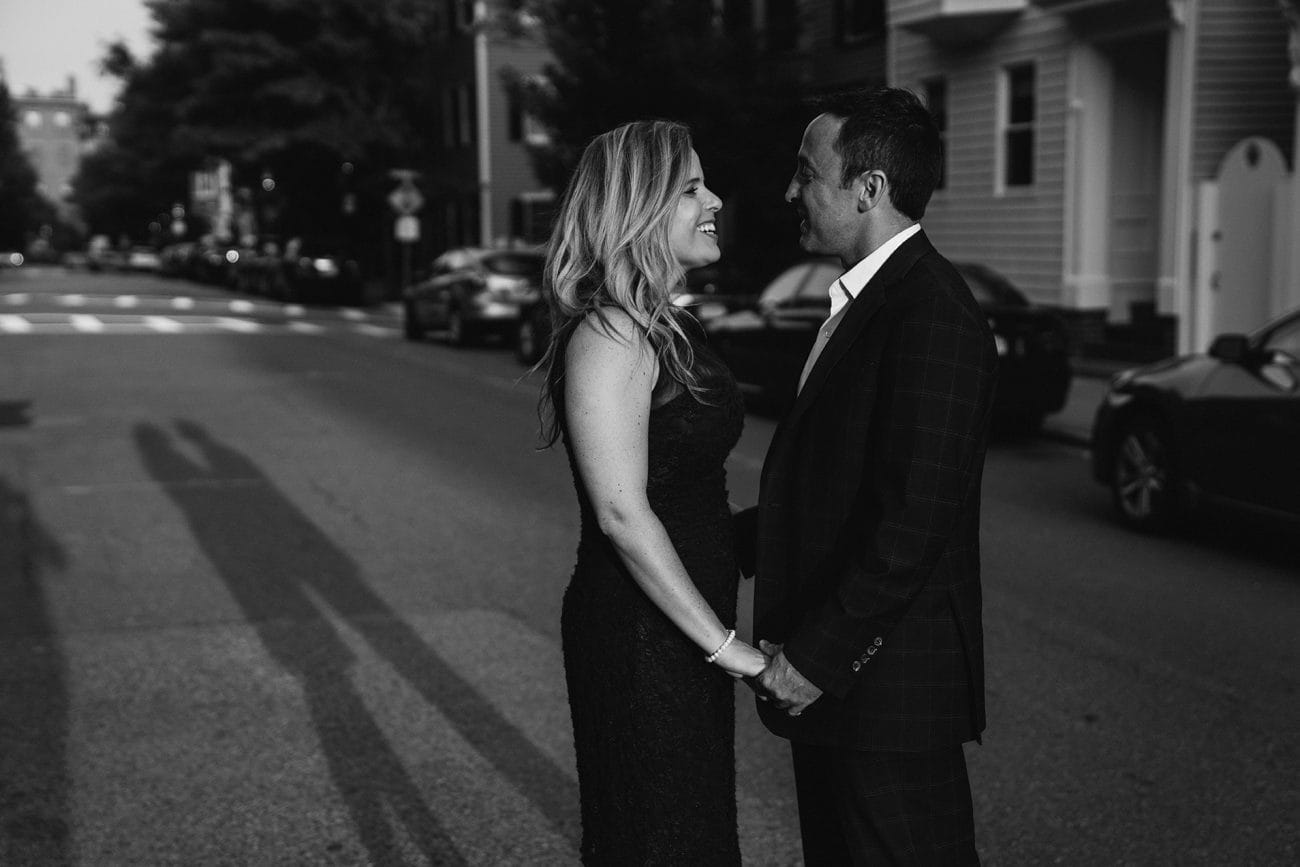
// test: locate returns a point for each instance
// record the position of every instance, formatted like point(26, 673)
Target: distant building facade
point(54, 131)
point(1086, 148)
point(481, 189)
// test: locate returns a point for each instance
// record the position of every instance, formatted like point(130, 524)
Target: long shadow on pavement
point(277, 564)
point(34, 783)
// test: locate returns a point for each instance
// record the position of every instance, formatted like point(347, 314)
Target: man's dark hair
point(889, 129)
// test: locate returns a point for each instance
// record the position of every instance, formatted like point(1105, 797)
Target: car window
point(784, 286)
point(515, 264)
point(1286, 339)
point(820, 279)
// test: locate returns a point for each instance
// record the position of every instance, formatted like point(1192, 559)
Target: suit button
point(856, 665)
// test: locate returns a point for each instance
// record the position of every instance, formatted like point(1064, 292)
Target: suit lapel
point(856, 317)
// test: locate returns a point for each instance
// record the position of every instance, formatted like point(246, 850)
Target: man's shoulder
point(933, 285)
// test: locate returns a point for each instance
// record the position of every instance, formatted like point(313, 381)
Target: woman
point(648, 415)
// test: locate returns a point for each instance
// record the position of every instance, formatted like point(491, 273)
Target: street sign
point(406, 228)
point(406, 199)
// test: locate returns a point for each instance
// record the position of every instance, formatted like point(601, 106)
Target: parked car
point(767, 343)
point(301, 270)
point(705, 295)
point(1222, 427)
point(143, 259)
point(471, 292)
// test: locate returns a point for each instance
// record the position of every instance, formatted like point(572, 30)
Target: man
point(865, 541)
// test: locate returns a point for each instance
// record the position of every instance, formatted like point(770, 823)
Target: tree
point(22, 208)
point(286, 90)
point(614, 61)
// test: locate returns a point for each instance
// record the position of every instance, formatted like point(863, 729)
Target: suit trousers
point(869, 807)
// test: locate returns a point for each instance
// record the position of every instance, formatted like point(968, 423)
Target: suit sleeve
point(931, 417)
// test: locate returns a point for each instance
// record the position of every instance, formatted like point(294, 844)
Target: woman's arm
point(609, 377)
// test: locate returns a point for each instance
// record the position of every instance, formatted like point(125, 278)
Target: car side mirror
point(1232, 348)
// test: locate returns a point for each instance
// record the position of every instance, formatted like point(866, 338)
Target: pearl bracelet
point(731, 636)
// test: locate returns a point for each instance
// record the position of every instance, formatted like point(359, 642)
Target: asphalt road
point(278, 587)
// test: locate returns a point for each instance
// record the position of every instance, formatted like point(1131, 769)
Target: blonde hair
point(609, 250)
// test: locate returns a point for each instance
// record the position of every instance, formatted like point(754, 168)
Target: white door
point(1243, 237)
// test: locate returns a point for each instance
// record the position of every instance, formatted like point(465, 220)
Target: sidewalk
point(1073, 424)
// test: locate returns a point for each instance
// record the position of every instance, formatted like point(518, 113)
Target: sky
point(42, 42)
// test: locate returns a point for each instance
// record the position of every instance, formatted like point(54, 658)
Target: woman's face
point(692, 233)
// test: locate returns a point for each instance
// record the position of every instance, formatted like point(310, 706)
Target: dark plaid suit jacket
point(866, 536)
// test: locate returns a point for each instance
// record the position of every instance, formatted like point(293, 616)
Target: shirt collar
point(852, 282)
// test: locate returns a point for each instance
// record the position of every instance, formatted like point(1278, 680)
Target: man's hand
point(788, 689)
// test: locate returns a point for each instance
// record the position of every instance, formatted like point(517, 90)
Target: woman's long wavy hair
point(609, 250)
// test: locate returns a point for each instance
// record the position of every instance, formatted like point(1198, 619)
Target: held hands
point(741, 660)
point(782, 684)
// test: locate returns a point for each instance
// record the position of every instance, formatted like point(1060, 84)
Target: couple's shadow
point(283, 571)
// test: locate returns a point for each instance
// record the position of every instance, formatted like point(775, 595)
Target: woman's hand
point(741, 659)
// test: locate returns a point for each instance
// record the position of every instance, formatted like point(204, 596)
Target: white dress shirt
point(847, 288)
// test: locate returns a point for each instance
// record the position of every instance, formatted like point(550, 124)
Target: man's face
point(829, 210)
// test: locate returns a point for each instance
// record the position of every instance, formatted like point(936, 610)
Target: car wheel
point(411, 327)
point(458, 332)
point(1142, 477)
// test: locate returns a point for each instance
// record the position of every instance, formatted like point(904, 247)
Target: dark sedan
point(703, 295)
point(1222, 427)
point(767, 344)
point(470, 292)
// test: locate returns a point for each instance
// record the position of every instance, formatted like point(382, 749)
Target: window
point(737, 16)
point(464, 117)
point(1018, 111)
point(62, 118)
point(464, 14)
point(782, 25)
point(515, 122)
point(860, 20)
point(448, 118)
point(32, 118)
point(531, 216)
point(936, 99)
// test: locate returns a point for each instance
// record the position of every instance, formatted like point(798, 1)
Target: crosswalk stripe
point(14, 324)
point(183, 303)
point(17, 298)
point(239, 305)
point(86, 322)
point(305, 327)
point(352, 314)
point(372, 330)
point(72, 300)
point(164, 324)
point(243, 326)
point(126, 301)
point(294, 310)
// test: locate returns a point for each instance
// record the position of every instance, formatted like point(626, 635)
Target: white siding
point(1020, 232)
point(1241, 80)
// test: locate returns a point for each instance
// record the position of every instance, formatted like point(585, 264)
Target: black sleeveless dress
point(653, 723)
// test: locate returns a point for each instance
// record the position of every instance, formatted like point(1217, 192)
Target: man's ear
point(873, 188)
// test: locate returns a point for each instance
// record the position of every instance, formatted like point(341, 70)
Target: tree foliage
point(290, 88)
point(615, 61)
point(22, 208)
